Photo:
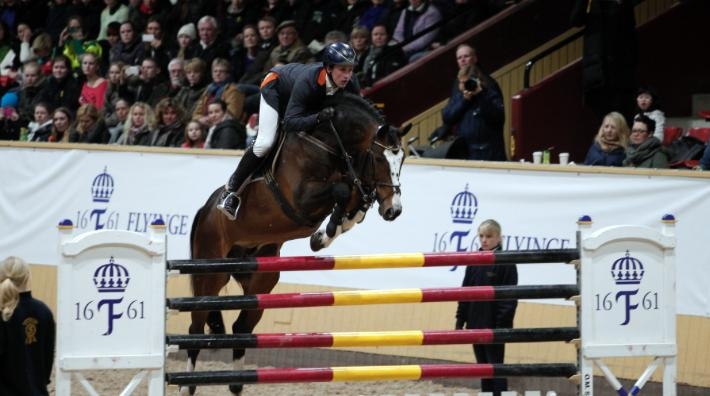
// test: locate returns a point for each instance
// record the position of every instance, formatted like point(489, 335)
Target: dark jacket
point(299, 92)
point(379, 62)
point(228, 134)
point(488, 314)
point(138, 90)
point(60, 93)
point(129, 54)
point(169, 135)
point(97, 134)
point(479, 120)
point(27, 355)
point(597, 156)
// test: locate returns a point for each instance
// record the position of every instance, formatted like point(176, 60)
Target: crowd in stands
point(186, 73)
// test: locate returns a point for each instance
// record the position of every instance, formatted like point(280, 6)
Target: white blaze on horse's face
point(395, 159)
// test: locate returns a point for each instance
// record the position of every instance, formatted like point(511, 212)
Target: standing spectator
point(190, 94)
point(610, 143)
point(147, 86)
point(61, 122)
point(171, 127)
point(475, 110)
point(185, 39)
point(194, 135)
point(647, 104)
point(497, 314)
point(645, 150)
point(40, 129)
point(27, 333)
point(139, 126)
point(290, 48)
point(418, 16)
point(93, 91)
point(610, 54)
point(10, 122)
point(381, 59)
point(225, 132)
point(129, 50)
point(90, 127)
point(221, 88)
point(209, 46)
point(61, 88)
point(32, 83)
point(115, 11)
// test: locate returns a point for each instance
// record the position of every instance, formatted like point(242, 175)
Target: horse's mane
point(349, 100)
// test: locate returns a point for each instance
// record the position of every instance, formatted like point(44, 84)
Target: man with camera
point(475, 110)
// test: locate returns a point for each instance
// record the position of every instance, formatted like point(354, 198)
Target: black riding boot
point(229, 202)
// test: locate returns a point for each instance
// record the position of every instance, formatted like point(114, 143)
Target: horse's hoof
point(317, 241)
point(236, 389)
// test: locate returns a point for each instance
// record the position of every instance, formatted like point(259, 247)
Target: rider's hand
point(325, 115)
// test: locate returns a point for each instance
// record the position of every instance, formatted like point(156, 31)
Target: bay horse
point(338, 169)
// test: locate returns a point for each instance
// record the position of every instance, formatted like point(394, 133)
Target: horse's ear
point(382, 130)
point(405, 130)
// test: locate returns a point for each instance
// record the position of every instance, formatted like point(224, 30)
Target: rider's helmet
point(339, 54)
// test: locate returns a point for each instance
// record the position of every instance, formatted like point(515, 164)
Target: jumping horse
point(337, 170)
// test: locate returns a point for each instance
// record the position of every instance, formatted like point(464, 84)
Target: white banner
point(538, 210)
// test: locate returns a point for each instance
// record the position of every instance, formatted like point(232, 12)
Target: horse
point(338, 169)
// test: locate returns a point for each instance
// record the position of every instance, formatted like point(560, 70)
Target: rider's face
point(341, 74)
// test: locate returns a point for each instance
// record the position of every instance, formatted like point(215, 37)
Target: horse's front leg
point(324, 237)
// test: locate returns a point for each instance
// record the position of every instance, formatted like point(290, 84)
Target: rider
point(297, 92)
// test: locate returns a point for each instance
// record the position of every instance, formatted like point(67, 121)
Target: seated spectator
point(154, 44)
point(115, 11)
point(93, 91)
point(61, 122)
point(381, 59)
point(148, 86)
point(61, 88)
point(221, 88)
point(210, 46)
point(171, 127)
point(609, 148)
point(290, 48)
point(644, 150)
point(267, 33)
point(196, 77)
point(243, 57)
point(73, 42)
point(225, 132)
point(22, 46)
point(41, 52)
point(41, 127)
point(705, 159)
point(130, 49)
point(360, 41)
point(195, 135)
point(10, 122)
point(647, 104)
point(90, 127)
point(377, 12)
point(418, 16)
point(186, 38)
point(116, 79)
point(139, 127)
point(117, 121)
point(176, 72)
point(7, 55)
point(113, 34)
point(32, 83)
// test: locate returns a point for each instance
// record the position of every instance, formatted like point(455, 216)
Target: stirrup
point(229, 205)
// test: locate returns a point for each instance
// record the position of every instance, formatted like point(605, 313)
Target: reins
point(367, 198)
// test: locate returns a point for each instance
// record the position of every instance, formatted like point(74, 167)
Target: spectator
point(113, 34)
point(277, 10)
point(90, 127)
point(115, 11)
point(209, 46)
point(705, 160)
point(27, 333)
point(57, 17)
point(185, 38)
point(225, 132)
point(90, 13)
point(23, 44)
point(117, 121)
point(154, 45)
point(32, 83)
point(221, 88)
point(497, 314)
point(93, 91)
point(171, 127)
point(148, 86)
point(61, 121)
point(237, 14)
point(644, 150)
point(61, 88)
point(267, 33)
point(417, 17)
point(176, 71)
point(290, 48)
point(74, 43)
point(116, 79)
point(140, 11)
point(189, 95)
point(243, 57)
point(647, 104)
point(7, 55)
point(41, 51)
point(375, 13)
point(139, 126)
point(609, 148)
point(130, 49)
point(40, 129)
point(381, 59)
point(333, 36)
point(349, 18)
point(360, 41)
point(10, 122)
point(475, 109)
point(194, 135)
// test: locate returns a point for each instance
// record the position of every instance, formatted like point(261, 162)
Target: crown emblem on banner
point(627, 270)
point(464, 207)
point(111, 277)
point(102, 187)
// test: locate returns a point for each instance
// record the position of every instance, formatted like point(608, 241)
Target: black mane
point(348, 102)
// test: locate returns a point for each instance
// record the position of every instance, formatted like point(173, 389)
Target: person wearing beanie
point(10, 122)
point(188, 30)
point(186, 38)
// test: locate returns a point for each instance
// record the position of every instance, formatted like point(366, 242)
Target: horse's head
point(388, 156)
